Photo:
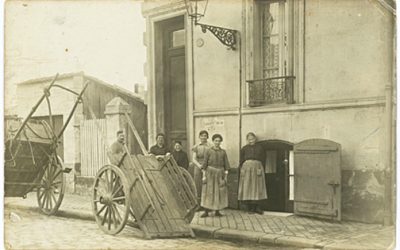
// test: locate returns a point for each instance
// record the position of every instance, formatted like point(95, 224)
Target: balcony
point(272, 90)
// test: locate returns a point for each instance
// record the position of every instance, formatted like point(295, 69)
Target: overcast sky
point(103, 38)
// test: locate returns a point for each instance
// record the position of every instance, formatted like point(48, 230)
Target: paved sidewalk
point(270, 228)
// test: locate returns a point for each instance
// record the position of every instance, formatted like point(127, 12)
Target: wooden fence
point(93, 146)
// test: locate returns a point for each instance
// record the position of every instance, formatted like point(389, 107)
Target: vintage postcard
point(200, 124)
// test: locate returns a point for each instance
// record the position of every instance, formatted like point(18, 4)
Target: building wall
point(343, 62)
point(348, 52)
point(97, 95)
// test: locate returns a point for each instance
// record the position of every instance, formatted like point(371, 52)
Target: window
point(272, 41)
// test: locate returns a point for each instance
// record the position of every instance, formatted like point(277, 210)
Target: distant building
point(300, 70)
point(97, 95)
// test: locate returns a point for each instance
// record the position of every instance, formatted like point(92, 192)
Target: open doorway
point(279, 176)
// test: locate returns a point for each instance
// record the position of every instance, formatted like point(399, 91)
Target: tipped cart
point(31, 161)
point(158, 194)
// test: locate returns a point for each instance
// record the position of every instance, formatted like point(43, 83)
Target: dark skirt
point(214, 195)
point(252, 181)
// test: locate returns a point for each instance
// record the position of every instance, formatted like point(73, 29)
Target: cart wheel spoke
point(101, 210)
point(113, 216)
point(117, 212)
point(50, 200)
point(111, 181)
point(56, 183)
point(41, 195)
point(117, 185)
point(115, 192)
point(109, 218)
point(121, 198)
point(105, 216)
point(54, 198)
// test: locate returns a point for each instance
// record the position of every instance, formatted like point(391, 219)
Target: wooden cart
point(158, 194)
point(31, 161)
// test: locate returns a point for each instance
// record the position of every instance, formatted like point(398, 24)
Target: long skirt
point(197, 176)
point(252, 181)
point(214, 194)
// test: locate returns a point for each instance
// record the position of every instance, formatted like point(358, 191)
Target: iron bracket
point(224, 35)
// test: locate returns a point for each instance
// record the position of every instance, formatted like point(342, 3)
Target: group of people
point(211, 168)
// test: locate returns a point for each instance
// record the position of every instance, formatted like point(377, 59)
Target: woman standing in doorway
point(214, 195)
point(252, 187)
point(198, 159)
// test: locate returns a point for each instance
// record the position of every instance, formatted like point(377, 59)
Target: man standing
point(159, 150)
point(117, 149)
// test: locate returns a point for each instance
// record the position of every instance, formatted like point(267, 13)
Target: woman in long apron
point(214, 194)
point(252, 187)
point(198, 160)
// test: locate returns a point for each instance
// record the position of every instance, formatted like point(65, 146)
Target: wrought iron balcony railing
point(270, 91)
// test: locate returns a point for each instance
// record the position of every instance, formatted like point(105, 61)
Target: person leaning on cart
point(117, 150)
point(214, 194)
point(160, 150)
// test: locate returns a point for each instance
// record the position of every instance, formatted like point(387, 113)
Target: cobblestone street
point(32, 230)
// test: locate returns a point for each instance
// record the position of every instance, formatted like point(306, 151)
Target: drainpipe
point(389, 169)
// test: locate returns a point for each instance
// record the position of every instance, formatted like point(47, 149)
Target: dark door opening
point(171, 80)
point(279, 176)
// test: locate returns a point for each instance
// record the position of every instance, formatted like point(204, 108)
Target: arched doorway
point(279, 175)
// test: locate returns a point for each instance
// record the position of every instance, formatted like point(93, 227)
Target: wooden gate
point(93, 147)
point(317, 178)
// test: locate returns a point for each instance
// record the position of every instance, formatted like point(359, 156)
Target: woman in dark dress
point(214, 195)
point(252, 187)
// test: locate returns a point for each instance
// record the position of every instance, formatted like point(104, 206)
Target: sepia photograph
point(200, 124)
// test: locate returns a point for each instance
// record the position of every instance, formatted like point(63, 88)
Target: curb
point(233, 235)
point(254, 237)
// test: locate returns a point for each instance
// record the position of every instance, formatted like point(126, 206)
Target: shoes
point(259, 211)
point(218, 214)
point(205, 214)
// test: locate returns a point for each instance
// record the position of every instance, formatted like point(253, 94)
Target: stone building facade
point(300, 70)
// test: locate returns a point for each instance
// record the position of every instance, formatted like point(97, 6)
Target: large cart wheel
point(192, 186)
point(50, 193)
point(111, 203)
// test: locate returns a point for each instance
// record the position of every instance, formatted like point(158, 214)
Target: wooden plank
point(162, 222)
point(135, 132)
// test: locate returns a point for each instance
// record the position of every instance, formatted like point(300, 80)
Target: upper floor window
point(272, 40)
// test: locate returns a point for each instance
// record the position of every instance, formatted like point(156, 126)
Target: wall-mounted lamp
point(196, 9)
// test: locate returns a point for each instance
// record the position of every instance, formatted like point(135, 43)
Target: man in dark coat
point(159, 150)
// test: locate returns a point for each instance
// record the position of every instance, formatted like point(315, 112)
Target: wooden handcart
point(158, 194)
point(31, 161)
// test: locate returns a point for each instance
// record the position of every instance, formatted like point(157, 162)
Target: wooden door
point(174, 81)
point(317, 179)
